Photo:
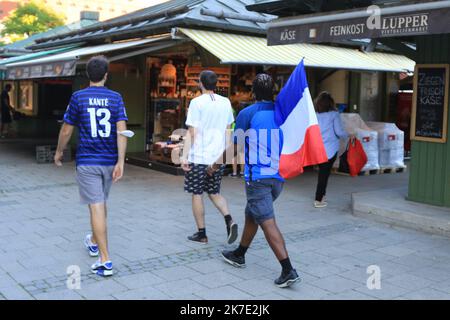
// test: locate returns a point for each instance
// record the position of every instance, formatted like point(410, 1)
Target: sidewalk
point(42, 226)
point(396, 210)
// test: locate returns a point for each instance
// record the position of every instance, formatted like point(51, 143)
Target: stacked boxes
point(390, 144)
point(46, 154)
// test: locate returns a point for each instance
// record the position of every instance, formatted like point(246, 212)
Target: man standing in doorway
point(6, 110)
point(99, 114)
point(263, 140)
point(209, 120)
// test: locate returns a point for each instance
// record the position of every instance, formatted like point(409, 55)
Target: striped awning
point(240, 49)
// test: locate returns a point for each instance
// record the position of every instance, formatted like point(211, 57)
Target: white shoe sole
point(320, 205)
point(93, 254)
point(289, 283)
point(234, 264)
point(106, 273)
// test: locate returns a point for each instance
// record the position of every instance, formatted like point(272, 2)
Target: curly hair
point(263, 87)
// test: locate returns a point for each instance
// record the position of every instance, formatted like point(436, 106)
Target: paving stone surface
point(42, 226)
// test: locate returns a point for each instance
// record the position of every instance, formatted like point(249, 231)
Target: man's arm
point(122, 148)
point(64, 137)
point(187, 148)
point(233, 149)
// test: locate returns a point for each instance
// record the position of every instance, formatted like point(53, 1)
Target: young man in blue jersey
point(99, 114)
point(262, 140)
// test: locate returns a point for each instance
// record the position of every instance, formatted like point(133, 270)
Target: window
point(26, 96)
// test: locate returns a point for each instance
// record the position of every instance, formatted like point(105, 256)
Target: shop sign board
point(371, 26)
point(429, 118)
point(47, 70)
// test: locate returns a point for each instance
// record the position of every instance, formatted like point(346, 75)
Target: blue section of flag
point(291, 94)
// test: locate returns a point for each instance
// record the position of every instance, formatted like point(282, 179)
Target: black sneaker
point(231, 258)
point(288, 279)
point(198, 238)
point(232, 232)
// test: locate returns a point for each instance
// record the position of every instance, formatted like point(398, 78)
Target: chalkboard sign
point(430, 103)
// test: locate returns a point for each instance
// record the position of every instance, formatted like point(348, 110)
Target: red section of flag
point(312, 152)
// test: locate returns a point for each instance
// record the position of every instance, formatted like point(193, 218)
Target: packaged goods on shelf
point(390, 144)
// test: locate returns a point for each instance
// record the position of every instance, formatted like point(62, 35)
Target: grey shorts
point(260, 197)
point(94, 183)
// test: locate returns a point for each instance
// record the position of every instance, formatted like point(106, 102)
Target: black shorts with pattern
point(198, 181)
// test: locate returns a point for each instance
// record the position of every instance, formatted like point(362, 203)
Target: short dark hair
point(96, 68)
point(324, 102)
point(208, 79)
point(263, 87)
point(8, 86)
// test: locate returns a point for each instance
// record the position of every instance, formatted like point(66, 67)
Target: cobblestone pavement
point(42, 226)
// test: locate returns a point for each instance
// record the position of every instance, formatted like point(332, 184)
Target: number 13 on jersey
point(104, 115)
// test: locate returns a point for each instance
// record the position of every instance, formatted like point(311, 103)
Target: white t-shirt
point(209, 114)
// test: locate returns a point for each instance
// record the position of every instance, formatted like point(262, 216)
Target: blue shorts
point(260, 197)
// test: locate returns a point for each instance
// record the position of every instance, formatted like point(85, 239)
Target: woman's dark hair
point(263, 87)
point(96, 68)
point(208, 79)
point(324, 102)
point(8, 87)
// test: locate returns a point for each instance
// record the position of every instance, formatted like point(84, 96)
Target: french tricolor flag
point(295, 114)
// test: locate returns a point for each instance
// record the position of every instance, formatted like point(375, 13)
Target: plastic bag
point(356, 157)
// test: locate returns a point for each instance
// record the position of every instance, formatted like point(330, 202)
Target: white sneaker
point(104, 269)
point(92, 248)
point(320, 204)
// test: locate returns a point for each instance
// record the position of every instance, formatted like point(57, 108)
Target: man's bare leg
point(220, 203)
point(199, 210)
point(99, 229)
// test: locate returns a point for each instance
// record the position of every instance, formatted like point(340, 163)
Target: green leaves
point(30, 18)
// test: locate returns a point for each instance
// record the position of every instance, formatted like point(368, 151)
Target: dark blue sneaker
point(234, 260)
point(92, 248)
point(288, 279)
point(104, 269)
point(232, 232)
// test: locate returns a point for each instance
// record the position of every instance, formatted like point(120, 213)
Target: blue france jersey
point(96, 111)
point(262, 139)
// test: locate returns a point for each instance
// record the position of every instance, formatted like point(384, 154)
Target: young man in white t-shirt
point(209, 119)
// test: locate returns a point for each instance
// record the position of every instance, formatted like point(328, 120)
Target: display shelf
point(223, 85)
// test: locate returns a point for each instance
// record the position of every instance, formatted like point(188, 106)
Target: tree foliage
point(30, 18)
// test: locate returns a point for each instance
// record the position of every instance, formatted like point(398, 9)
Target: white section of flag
point(299, 120)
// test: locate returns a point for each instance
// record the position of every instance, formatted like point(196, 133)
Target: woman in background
point(332, 131)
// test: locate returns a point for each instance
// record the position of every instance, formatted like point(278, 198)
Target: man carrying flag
point(280, 139)
point(257, 131)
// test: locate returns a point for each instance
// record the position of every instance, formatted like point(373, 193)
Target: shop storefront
point(172, 81)
point(157, 72)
